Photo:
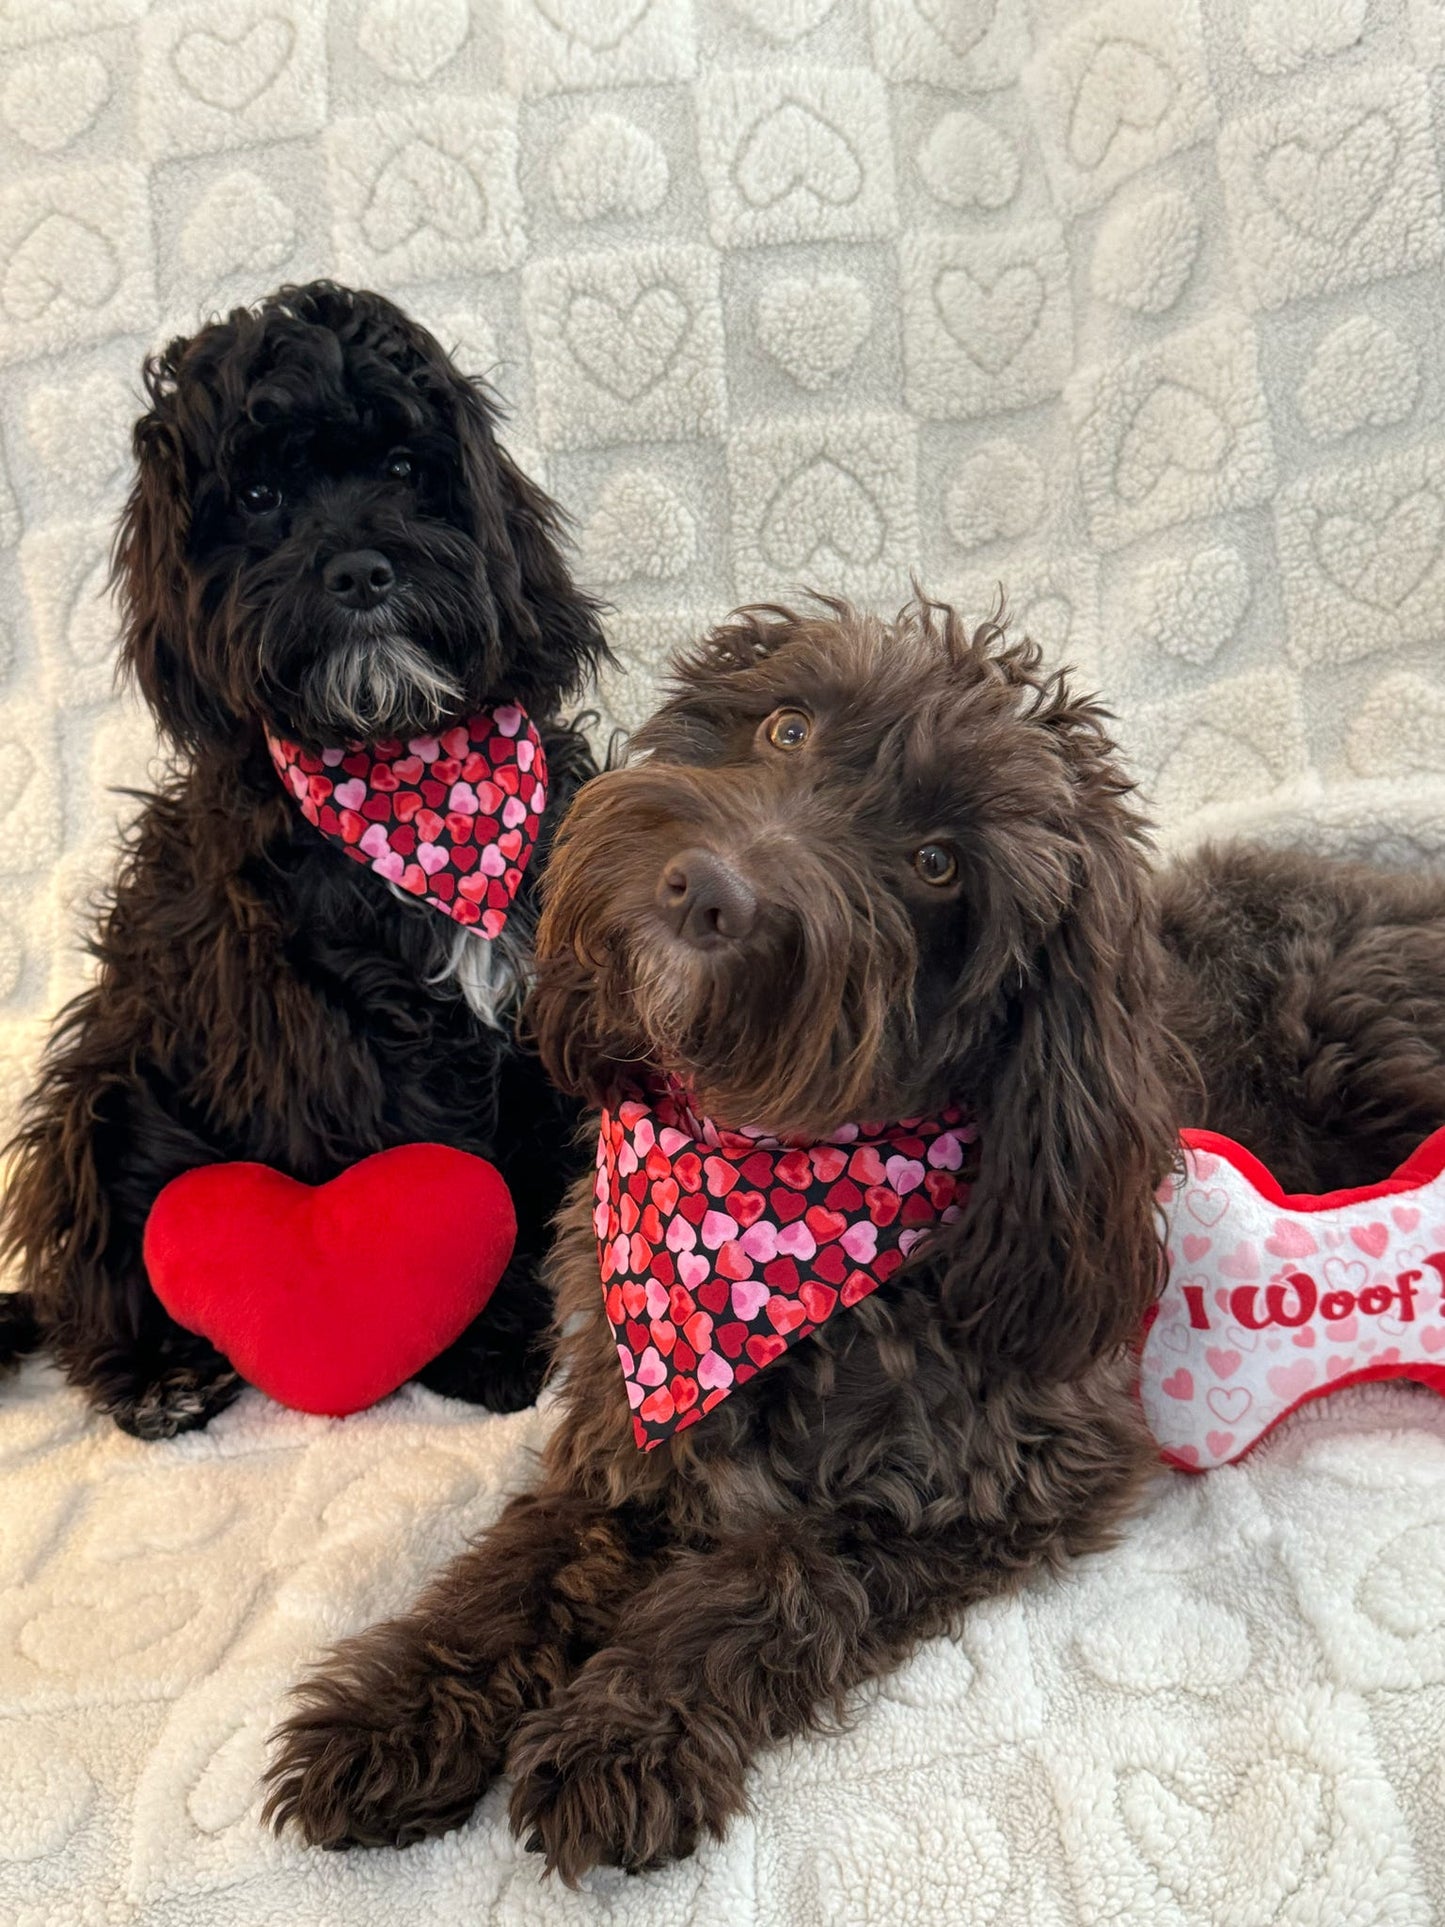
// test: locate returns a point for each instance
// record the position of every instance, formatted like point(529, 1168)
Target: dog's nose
point(360, 579)
point(704, 899)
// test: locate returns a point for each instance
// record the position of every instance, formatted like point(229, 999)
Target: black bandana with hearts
point(451, 819)
point(720, 1249)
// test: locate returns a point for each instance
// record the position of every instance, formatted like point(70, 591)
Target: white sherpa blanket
point(1132, 306)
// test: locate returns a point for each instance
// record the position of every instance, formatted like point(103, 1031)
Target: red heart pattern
point(721, 1249)
point(451, 818)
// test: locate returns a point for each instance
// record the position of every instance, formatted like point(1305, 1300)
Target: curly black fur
point(258, 996)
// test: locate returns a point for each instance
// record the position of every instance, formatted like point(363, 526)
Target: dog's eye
point(935, 863)
point(259, 498)
point(399, 465)
point(789, 729)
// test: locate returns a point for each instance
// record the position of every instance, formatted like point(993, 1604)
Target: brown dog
point(860, 870)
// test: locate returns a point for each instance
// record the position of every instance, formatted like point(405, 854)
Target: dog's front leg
point(728, 1650)
point(93, 1152)
point(398, 1734)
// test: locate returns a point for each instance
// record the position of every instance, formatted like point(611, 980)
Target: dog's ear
point(1057, 1256)
point(552, 631)
point(150, 576)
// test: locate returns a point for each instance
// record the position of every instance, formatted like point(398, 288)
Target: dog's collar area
point(721, 1249)
point(450, 819)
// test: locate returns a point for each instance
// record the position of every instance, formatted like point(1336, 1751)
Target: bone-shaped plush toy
point(1271, 1300)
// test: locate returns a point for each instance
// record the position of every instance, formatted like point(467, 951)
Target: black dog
point(324, 541)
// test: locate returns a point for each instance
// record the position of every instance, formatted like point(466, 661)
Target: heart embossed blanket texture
point(1132, 305)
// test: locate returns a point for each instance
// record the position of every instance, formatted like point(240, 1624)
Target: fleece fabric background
point(1135, 307)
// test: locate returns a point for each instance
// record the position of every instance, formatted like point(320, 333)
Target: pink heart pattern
point(721, 1249)
point(452, 819)
point(1202, 1360)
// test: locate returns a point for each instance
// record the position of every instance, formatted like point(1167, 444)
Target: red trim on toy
point(1423, 1166)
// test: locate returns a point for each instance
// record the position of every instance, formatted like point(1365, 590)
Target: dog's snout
point(360, 579)
point(704, 899)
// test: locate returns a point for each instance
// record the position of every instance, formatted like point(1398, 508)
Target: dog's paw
point(356, 1767)
point(589, 1791)
point(182, 1400)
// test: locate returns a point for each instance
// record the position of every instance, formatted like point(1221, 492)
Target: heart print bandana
point(721, 1249)
point(452, 819)
point(1271, 1300)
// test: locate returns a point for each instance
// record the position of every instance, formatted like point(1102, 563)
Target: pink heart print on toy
point(452, 819)
point(721, 1249)
point(1271, 1299)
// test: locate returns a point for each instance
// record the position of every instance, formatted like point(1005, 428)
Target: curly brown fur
point(1312, 996)
point(257, 995)
point(964, 1424)
point(629, 1636)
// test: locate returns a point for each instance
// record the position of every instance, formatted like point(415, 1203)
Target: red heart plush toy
point(329, 1296)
